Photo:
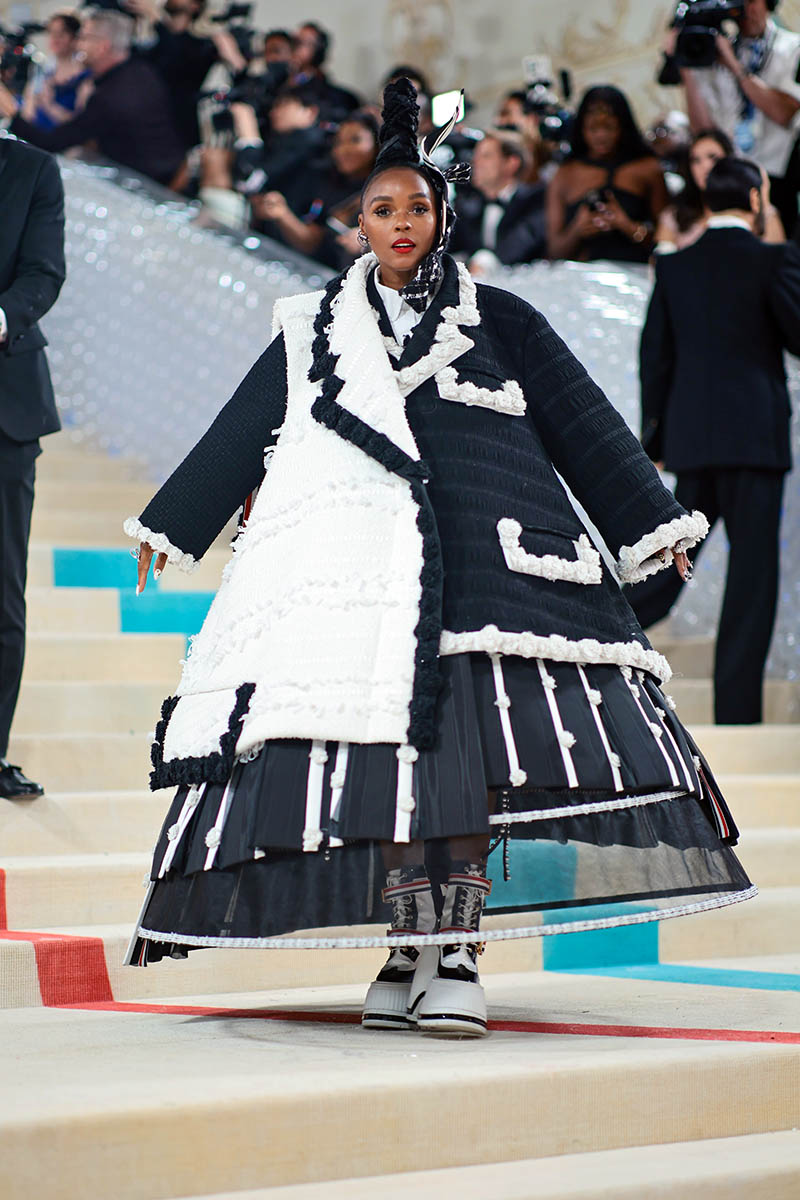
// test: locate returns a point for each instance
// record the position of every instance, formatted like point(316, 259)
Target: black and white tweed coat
point(412, 508)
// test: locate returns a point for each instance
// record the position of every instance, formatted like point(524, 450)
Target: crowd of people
point(281, 148)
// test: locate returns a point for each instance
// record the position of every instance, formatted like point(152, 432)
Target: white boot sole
point(453, 1008)
point(386, 1004)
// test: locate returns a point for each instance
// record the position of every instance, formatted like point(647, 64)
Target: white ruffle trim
point(161, 544)
point(637, 562)
point(509, 398)
point(492, 640)
point(448, 938)
point(584, 568)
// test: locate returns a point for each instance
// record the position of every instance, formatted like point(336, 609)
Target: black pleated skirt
point(599, 807)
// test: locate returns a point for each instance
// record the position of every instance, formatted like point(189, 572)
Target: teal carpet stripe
point(767, 981)
point(163, 612)
point(89, 567)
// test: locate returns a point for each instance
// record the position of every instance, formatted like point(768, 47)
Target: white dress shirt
point(493, 215)
point(719, 221)
point(402, 317)
point(3, 327)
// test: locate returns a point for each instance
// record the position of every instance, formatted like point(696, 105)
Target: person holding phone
point(604, 201)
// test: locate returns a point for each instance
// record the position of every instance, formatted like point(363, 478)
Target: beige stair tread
point(104, 821)
point(771, 857)
point(72, 610)
point(761, 1166)
point(761, 799)
point(218, 1100)
point(84, 761)
point(695, 700)
point(750, 748)
point(66, 707)
point(112, 657)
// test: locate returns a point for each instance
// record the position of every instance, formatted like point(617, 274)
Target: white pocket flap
point(584, 568)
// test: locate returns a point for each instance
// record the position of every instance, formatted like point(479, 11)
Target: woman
point(323, 225)
point(605, 199)
point(63, 89)
point(416, 653)
point(683, 222)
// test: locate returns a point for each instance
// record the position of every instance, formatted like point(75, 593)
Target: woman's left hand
point(682, 564)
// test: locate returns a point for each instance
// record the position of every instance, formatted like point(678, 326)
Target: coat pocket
point(582, 566)
point(484, 390)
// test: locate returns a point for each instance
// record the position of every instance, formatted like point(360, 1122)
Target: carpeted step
point(760, 1166)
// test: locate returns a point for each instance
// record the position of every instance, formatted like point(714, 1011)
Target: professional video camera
point(237, 18)
point(699, 22)
point(18, 55)
point(555, 120)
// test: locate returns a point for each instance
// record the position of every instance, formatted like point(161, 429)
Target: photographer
point(64, 87)
point(183, 51)
point(296, 139)
point(752, 92)
point(715, 411)
point(500, 218)
point(128, 116)
point(309, 55)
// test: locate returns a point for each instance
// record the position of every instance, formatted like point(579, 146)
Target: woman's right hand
point(146, 553)
point(586, 223)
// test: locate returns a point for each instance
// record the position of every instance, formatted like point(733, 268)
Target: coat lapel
point(439, 337)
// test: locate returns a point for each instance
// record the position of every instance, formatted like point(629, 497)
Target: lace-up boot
point(454, 1002)
point(408, 891)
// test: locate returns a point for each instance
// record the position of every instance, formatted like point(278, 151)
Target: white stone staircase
point(149, 1087)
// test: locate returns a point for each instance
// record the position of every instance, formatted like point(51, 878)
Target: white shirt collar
point(719, 221)
point(393, 302)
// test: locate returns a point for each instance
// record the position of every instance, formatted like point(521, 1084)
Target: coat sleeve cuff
point(644, 558)
point(161, 544)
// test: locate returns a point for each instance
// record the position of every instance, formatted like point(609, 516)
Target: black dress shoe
point(16, 786)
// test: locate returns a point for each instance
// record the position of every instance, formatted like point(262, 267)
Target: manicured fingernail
point(138, 590)
point(157, 573)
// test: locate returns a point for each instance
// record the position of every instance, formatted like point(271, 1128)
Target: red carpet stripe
point(550, 1027)
point(71, 970)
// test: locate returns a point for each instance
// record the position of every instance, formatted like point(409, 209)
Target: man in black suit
point(499, 214)
point(31, 275)
point(128, 117)
point(715, 410)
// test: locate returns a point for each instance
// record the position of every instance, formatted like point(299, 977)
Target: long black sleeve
point(40, 270)
point(217, 476)
point(656, 366)
point(784, 299)
point(590, 444)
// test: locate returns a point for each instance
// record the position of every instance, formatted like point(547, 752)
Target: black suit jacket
point(31, 274)
point(521, 234)
point(711, 358)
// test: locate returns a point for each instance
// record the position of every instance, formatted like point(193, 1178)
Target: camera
point(236, 17)
point(698, 23)
point(540, 98)
point(18, 55)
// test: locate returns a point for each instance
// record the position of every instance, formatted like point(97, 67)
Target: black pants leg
point(17, 475)
point(653, 598)
point(750, 501)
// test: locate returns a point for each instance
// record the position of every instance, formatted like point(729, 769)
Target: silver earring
point(362, 239)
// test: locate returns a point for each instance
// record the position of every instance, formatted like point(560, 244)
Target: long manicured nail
point(157, 573)
point(138, 589)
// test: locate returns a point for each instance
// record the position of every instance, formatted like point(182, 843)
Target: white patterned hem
point(441, 939)
point(579, 810)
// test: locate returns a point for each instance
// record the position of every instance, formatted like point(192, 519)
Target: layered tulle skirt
point(599, 808)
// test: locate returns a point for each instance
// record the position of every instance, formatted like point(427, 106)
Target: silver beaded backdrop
point(160, 319)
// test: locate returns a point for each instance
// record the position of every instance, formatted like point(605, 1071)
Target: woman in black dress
point(604, 201)
point(417, 656)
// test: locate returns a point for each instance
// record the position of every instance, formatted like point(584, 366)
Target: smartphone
point(338, 226)
point(443, 106)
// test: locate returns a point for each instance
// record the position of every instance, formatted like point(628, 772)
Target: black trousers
point(17, 476)
point(749, 502)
